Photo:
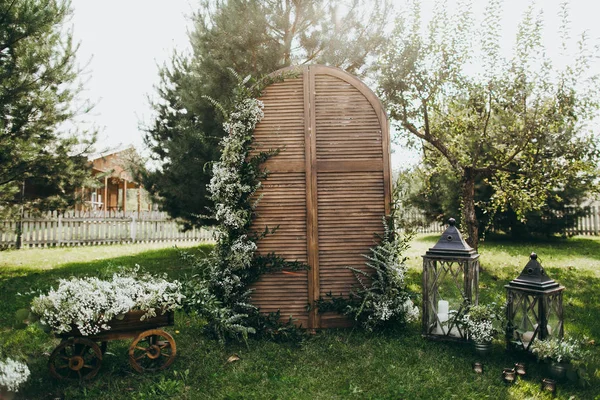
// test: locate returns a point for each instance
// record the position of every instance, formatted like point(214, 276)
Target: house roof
point(116, 162)
point(110, 151)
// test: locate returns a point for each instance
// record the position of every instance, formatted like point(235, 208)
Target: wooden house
point(112, 170)
point(328, 189)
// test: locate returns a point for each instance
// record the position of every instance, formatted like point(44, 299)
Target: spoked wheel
point(76, 358)
point(152, 350)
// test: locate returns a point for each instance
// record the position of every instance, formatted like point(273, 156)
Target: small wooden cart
point(80, 357)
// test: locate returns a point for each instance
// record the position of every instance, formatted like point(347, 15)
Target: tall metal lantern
point(450, 283)
point(534, 308)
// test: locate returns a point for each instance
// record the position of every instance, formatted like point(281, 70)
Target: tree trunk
point(468, 207)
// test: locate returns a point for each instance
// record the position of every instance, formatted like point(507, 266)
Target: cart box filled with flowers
point(88, 312)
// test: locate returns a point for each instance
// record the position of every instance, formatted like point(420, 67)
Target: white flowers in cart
point(89, 303)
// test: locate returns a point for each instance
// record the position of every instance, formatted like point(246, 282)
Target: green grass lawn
point(335, 364)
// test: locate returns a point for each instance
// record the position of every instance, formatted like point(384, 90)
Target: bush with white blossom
point(13, 374)
point(89, 304)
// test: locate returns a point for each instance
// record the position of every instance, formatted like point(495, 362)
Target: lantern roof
point(534, 277)
point(452, 245)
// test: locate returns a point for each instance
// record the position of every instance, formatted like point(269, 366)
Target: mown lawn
point(336, 364)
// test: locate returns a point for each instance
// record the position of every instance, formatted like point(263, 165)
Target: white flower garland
point(13, 374)
point(90, 303)
point(226, 187)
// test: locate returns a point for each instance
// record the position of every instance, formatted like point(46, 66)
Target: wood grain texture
point(328, 189)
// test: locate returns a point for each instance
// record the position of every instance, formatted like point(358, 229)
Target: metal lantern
point(534, 307)
point(450, 283)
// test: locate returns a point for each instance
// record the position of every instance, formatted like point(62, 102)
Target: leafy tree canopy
point(40, 163)
point(518, 124)
point(252, 38)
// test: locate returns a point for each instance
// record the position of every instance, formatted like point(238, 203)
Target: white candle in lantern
point(443, 306)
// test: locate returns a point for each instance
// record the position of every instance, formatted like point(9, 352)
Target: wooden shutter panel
point(328, 189)
point(283, 201)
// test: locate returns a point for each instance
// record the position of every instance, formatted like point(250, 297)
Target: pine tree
point(39, 166)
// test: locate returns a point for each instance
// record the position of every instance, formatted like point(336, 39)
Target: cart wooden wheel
point(152, 350)
point(76, 358)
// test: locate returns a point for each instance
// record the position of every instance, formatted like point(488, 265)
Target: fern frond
point(216, 105)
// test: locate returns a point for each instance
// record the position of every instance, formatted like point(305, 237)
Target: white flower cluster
point(241, 252)
point(383, 310)
point(481, 330)
point(230, 216)
point(411, 312)
point(247, 114)
point(90, 303)
point(13, 374)
point(386, 309)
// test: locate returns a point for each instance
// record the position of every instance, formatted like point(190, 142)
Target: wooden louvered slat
point(328, 190)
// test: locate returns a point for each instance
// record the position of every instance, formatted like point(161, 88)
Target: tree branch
point(435, 142)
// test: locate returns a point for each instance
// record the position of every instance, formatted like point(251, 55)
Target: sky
point(123, 43)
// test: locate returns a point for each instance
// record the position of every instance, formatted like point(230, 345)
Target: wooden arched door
point(327, 190)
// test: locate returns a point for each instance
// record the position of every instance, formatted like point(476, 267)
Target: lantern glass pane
point(554, 315)
point(446, 283)
point(524, 317)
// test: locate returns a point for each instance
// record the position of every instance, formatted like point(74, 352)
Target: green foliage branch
point(559, 349)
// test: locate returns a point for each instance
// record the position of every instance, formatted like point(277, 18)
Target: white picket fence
point(78, 228)
point(589, 224)
point(417, 220)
